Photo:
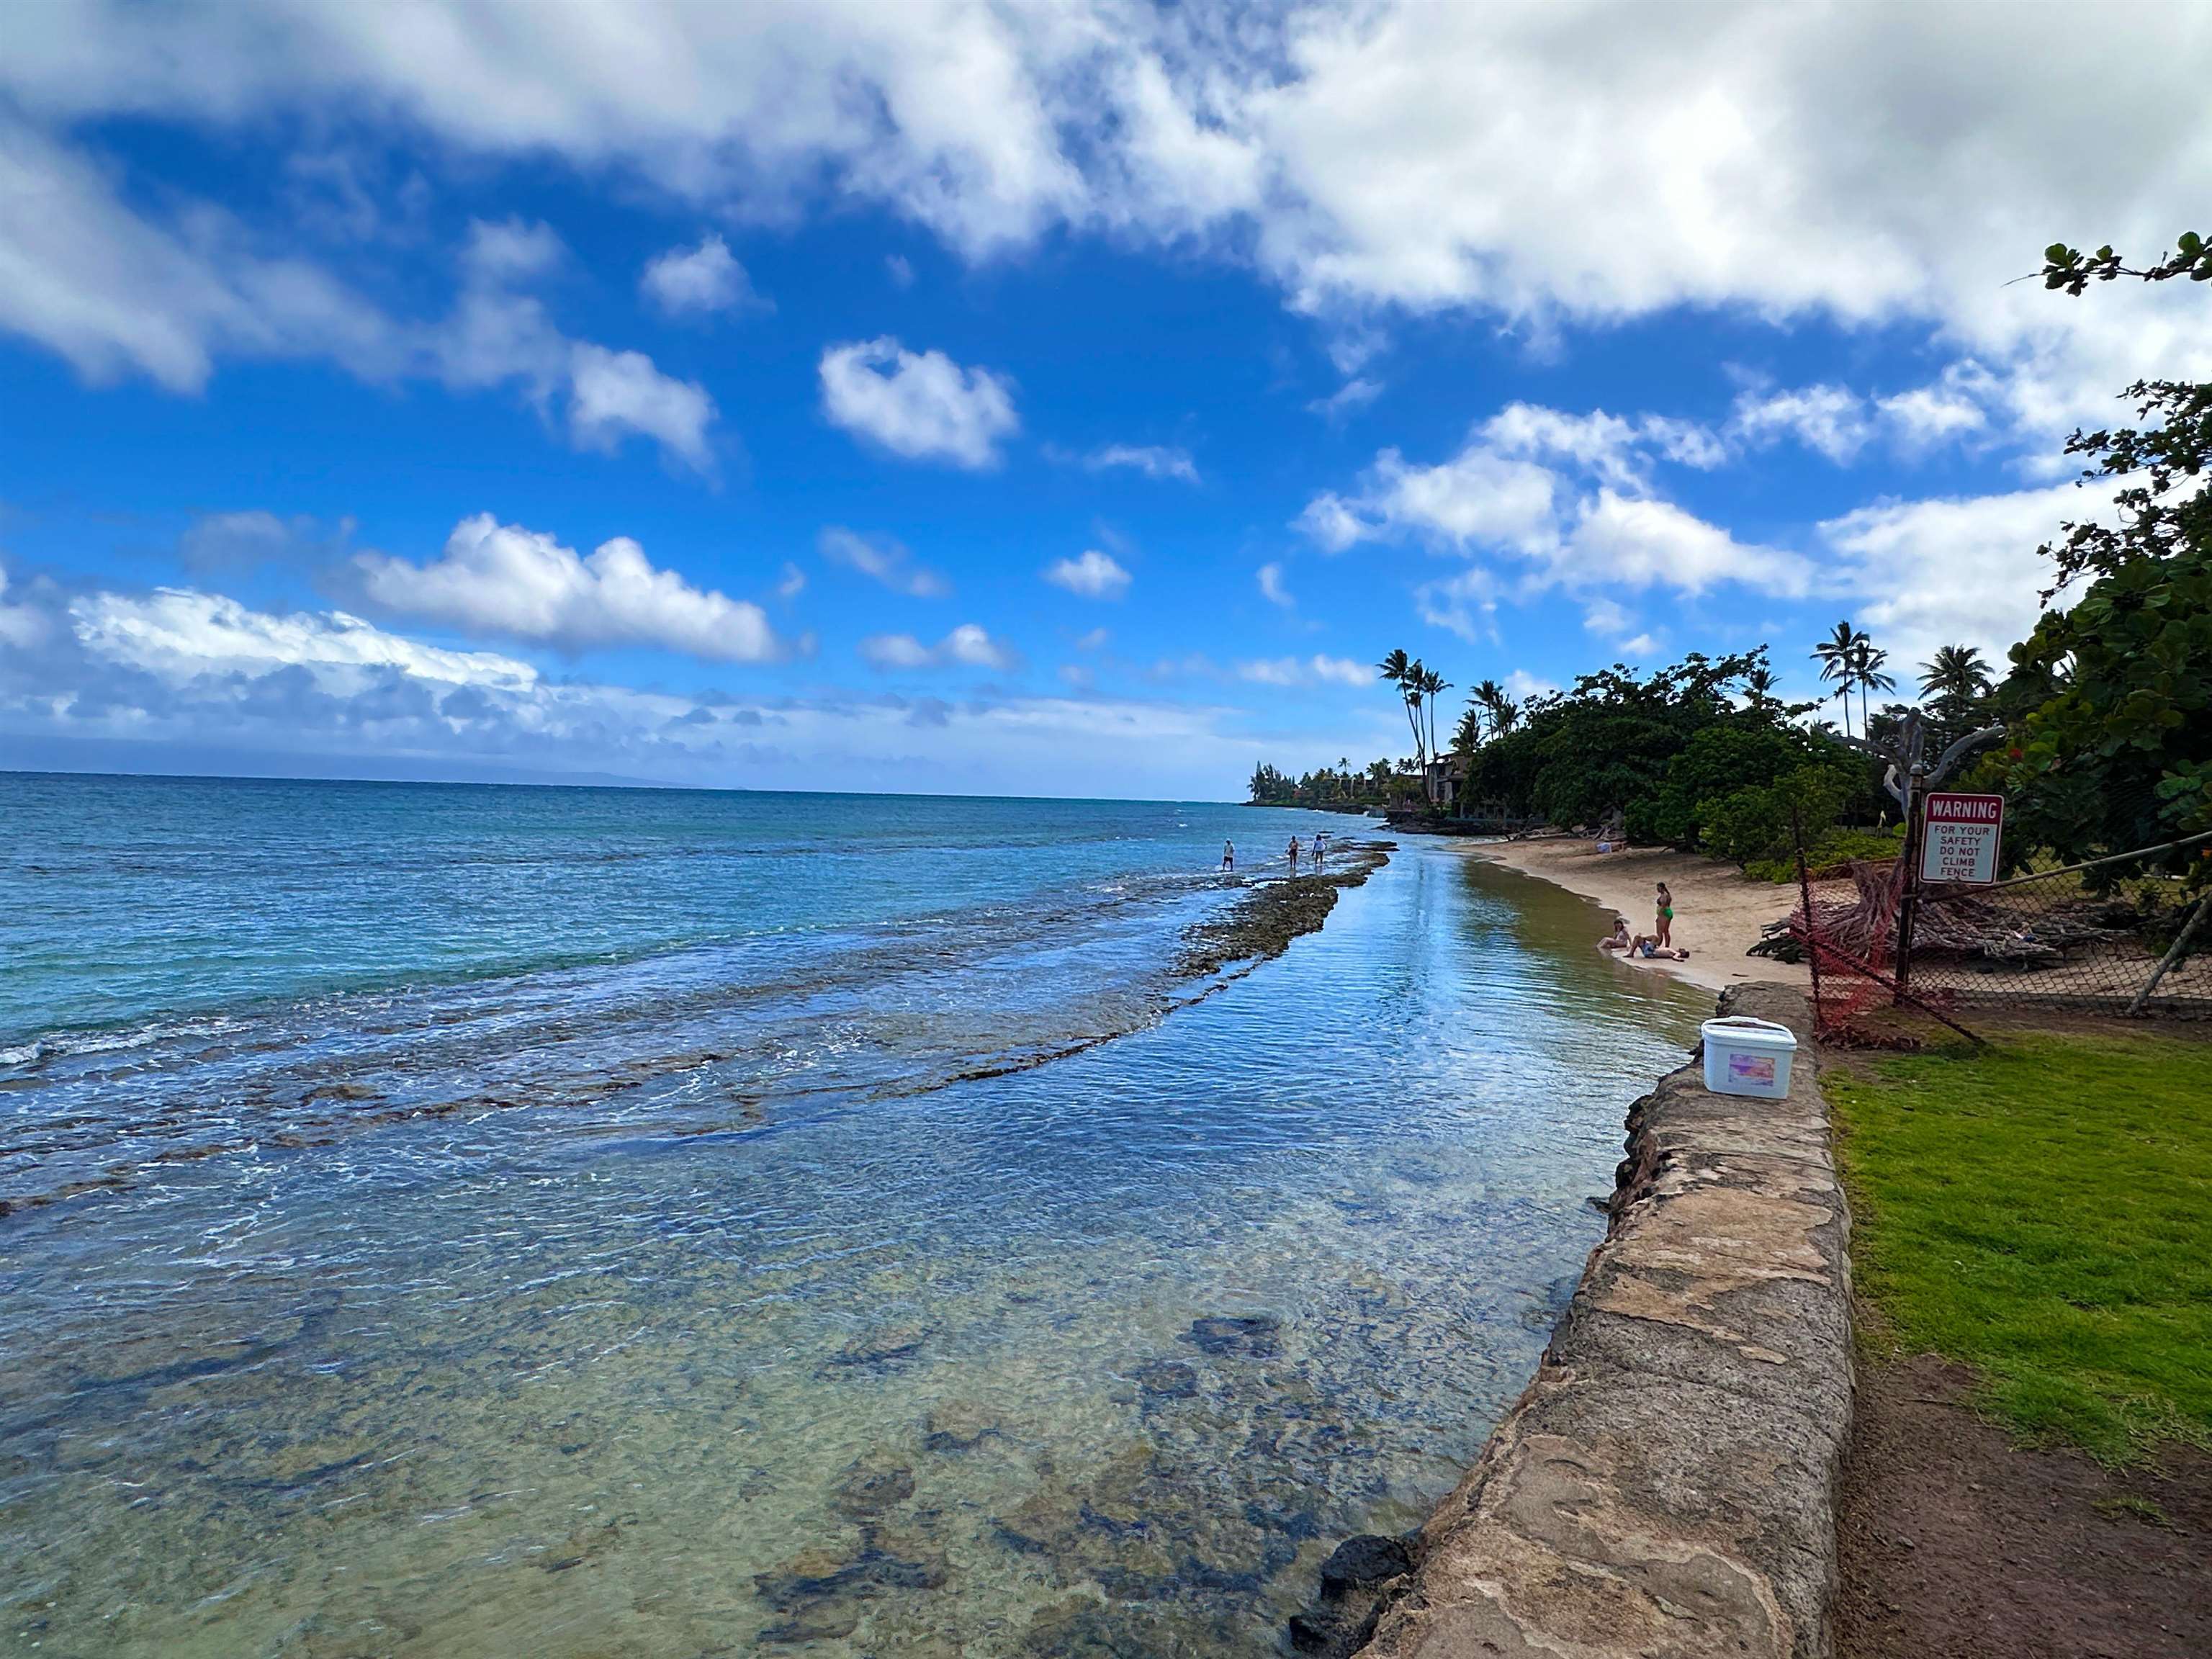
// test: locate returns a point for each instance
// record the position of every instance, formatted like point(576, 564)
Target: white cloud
point(1154, 461)
point(1608, 618)
point(1830, 419)
point(179, 634)
point(206, 684)
point(919, 404)
point(1960, 571)
point(883, 560)
point(1094, 641)
point(1519, 489)
point(901, 270)
point(502, 579)
point(698, 281)
point(897, 651)
point(1355, 393)
point(1588, 164)
point(1095, 575)
point(612, 394)
point(966, 647)
point(1639, 543)
point(1521, 685)
point(1272, 588)
point(1934, 414)
point(116, 294)
point(1315, 669)
point(21, 626)
point(1466, 603)
point(793, 582)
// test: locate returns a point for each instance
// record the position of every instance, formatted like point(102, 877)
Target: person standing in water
point(1663, 929)
point(1228, 855)
point(1294, 855)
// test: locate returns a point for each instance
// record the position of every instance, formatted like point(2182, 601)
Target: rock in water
point(1364, 1564)
point(957, 1425)
point(1167, 1379)
point(1256, 1336)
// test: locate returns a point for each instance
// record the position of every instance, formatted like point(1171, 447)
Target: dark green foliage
point(2108, 707)
point(1337, 787)
point(1669, 752)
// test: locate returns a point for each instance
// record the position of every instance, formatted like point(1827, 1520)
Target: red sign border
point(1928, 802)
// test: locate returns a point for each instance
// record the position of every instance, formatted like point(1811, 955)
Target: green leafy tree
point(2108, 705)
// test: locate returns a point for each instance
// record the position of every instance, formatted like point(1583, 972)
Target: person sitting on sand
point(1618, 939)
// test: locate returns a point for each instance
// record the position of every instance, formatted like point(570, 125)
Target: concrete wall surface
point(1667, 1486)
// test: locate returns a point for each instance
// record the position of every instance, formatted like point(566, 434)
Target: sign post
point(1959, 838)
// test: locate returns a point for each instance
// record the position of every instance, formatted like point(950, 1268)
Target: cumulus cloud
point(922, 405)
point(1522, 489)
point(966, 647)
point(1094, 575)
point(502, 579)
point(1950, 571)
point(204, 682)
point(1272, 588)
point(1367, 159)
point(1826, 418)
point(698, 281)
point(116, 294)
point(883, 560)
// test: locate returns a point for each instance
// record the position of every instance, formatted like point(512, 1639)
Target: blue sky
point(1068, 401)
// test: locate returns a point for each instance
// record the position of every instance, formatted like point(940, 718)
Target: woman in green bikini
point(1664, 927)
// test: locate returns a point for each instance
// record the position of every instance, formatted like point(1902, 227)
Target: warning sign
point(1959, 838)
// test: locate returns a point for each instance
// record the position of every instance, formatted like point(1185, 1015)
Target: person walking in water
point(1294, 855)
point(1320, 848)
point(1663, 927)
point(1228, 855)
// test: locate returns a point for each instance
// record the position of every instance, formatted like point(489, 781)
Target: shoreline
point(1718, 913)
point(1670, 1479)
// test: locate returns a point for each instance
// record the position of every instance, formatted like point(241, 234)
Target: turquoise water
point(469, 1221)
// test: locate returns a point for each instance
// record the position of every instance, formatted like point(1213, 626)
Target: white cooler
point(1747, 1057)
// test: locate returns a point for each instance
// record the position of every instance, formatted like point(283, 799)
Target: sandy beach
point(1718, 913)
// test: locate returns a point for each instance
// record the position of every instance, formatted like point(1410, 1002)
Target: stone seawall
point(1667, 1486)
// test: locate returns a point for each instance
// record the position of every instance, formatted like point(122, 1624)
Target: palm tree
point(1866, 669)
point(1758, 684)
point(1502, 709)
point(1838, 656)
point(1956, 671)
point(1466, 737)
point(1433, 685)
point(1401, 671)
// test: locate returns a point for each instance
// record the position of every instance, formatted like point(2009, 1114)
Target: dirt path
point(1957, 1545)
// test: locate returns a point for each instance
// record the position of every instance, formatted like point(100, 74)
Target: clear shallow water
point(686, 1294)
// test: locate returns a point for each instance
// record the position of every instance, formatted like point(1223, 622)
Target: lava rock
point(1364, 1564)
point(1256, 1336)
point(1167, 1379)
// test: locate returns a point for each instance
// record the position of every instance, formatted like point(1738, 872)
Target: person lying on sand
point(1647, 946)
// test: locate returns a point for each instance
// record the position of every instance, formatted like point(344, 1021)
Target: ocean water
point(455, 1221)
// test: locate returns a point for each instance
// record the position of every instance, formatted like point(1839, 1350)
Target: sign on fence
point(1960, 836)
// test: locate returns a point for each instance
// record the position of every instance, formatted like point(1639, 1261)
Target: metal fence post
point(1805, 904)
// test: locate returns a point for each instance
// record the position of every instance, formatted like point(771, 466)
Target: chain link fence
point(2127, 933)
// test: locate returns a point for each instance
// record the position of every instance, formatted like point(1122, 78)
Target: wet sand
point(1718, 912)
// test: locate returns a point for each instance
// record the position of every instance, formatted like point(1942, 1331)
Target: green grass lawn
point(2044, 1212)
